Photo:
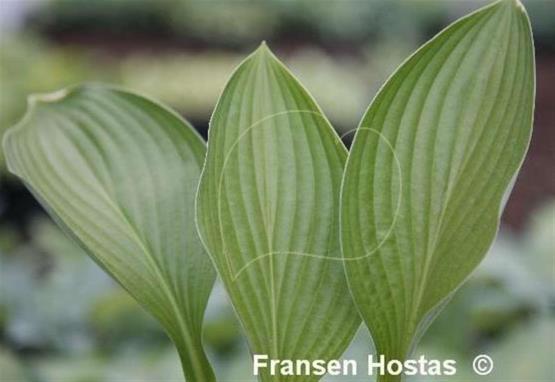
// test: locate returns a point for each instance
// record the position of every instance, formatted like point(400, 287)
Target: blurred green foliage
point(341, 53)
point(242, 23)
point(63, 319)
point(69, 322)
point(342, 85)
point(30, 65)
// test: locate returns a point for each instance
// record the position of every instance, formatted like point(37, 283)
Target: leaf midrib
point(133, 233)
point(429, 257)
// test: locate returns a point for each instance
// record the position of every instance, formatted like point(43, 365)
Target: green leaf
point(430, 169)
point(119, 173)
point(268, 212)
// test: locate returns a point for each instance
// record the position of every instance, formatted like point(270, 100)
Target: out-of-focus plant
point(349, 80)
point(412, 210)
point(43, 309)
point(115, 318)
point(539, 242)
point(204, 73)
point(242, 24)
point(12, 369)
point(29, 65)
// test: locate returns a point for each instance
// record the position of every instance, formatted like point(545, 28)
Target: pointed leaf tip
point(429, 168)
point(515, 5)
point(267, 210)
point(263, 50)
point(518, 4)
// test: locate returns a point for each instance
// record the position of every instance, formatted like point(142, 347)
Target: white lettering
point(450, 367)
point(258, 364)
point(380, 365)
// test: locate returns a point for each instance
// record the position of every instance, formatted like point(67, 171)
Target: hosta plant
point(430, 169)
point(119, 173)
point(307, 238)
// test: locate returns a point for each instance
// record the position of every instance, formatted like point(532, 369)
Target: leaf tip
point(263, 49)
point(263, 54)
point(518, 5)
point(51, 97)
point(515, 5)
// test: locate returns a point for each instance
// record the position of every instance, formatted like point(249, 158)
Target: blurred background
point(63, 320)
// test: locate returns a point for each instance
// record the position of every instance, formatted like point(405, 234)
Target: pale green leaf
point(268, 211)
point(119, 173)
point(430, 168)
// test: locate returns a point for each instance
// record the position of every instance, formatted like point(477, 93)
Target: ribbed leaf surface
point(431, 163)
point(120, 174)
point(268, 211)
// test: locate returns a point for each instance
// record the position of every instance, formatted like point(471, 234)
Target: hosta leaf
point(120, 173)
point(268, 211)
point(429, 169)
